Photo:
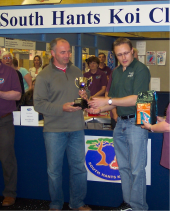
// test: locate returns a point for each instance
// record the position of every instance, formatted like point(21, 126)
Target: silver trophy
point(82, 83)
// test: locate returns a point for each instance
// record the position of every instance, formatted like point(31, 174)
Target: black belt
point(5, 115)
point(127, 117)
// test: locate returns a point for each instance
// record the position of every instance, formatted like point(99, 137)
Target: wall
point(160, 71)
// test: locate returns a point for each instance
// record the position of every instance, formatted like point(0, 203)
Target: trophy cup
point(82, 83)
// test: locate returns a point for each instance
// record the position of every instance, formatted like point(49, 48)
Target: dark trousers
point(7, 155)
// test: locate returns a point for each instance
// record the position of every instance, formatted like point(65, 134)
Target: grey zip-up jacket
point(53, 88)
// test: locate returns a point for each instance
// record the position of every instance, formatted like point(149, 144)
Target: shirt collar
point(103, 67)
point(133, 63)
point(130, 65)
point(53, 66)
point(98, 72)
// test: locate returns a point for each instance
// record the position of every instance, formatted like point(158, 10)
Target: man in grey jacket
point(54, 96)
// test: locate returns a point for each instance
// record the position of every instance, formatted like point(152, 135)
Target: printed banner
point(101, 162)
point(88, 16)
point(19, 44)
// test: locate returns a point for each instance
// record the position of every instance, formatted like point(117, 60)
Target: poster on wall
point(150, 58)
point(161, 57)
point(101, 162)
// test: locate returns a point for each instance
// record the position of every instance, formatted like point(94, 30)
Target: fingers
point(92, 103)
point(68, 107)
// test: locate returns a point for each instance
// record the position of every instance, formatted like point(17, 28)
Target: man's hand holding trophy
point(82, 83)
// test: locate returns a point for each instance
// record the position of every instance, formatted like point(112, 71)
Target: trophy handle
point(76, 79)
point(88, 81)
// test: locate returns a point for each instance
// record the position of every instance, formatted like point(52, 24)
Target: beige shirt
point(33, 72)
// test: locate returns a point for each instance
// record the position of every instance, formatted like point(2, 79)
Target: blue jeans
point(130, 144)
point(74, 144)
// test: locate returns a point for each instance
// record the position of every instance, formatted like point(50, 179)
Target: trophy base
point(81, 103)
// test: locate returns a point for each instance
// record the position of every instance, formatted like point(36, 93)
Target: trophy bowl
point(82, 83)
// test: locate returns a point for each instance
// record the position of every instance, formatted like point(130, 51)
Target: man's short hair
point(5, 53)
point(93, 59)
point(15, 62)
point(122, 40)
point(53, 43)
point(101, 53)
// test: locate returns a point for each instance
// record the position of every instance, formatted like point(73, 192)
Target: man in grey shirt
point(54, 96)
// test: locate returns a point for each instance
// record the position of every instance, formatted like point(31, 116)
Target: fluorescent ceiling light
point(41, 2)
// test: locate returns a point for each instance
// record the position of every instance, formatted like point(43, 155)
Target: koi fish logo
point(101, 160)
point(145, 117)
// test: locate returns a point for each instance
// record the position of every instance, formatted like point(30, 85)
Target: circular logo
point(101, 160)
point(29, 109)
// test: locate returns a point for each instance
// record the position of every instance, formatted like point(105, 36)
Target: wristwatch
point(110, 101)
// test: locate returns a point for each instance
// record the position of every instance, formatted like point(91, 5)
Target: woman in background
point(27, 79)
point(37, 62)
point(163, 125)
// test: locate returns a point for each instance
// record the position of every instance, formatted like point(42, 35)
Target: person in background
point(7, 58)
point(130, 140)
point(27, 98)
point(102, 65)
point(99, 80)
point(37, 66)
point(9, 62)
point(54, 96)
point(10, 92)
point(163, 125)
point(135, 51)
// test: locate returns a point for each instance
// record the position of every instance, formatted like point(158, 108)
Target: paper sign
point(29, 116)
point(141, 47)
point(19, 44)
point(155, 84)
point(16, 117)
